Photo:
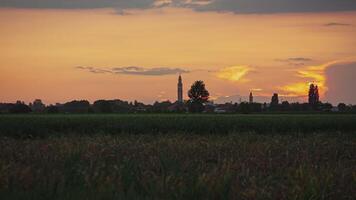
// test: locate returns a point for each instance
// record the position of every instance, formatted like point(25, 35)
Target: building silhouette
point(180, 89)
point(275, 100)
point(251, 98)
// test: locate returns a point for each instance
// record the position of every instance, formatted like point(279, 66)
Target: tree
point(37, 106)
point(285, 106)
point(103, 106)
point(244, 107)
point(342, 107)
point(313, 95)
point(353, 108)
point(82, 106)
point(20, 107)
point(316, 94)
point(52, 109)
point(198, 95)
point(161, 106)
point(326, 107)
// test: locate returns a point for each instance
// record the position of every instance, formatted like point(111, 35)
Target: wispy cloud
point(311, 74)
point(94, 70)
point(337, 24)
point(296, 61)
point(135, 70)
point(235, 73)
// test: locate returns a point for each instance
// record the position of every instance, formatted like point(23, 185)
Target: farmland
point(24, 126)
point(177, 156)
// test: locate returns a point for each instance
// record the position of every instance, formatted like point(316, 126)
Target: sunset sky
point(61, 50)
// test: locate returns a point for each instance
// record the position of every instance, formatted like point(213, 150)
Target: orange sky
point(233, 53)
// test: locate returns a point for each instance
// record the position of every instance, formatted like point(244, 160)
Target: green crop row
point(47, 125)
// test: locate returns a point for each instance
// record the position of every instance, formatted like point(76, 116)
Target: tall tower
point(251, 98)
point(180, 89)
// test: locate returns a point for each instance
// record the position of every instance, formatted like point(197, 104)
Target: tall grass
point(176, 166)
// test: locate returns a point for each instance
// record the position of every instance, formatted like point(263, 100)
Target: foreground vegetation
point(33, 126)
point(176, 166)
point(177, 156)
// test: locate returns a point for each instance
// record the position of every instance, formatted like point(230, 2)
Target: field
point(34, 126)
point(177, 156)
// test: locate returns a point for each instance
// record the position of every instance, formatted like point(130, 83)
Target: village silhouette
point(198, 102)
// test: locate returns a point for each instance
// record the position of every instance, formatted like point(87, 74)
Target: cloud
point(296, 61)
point(300, 59)
point(235, 6)
point(308, 75)
point(340, 80)
point(94, 70)
point(78, 4)
point(336, 81)
point(134, 70)
point(311, 74)
point(235, 73)
point(295, 89)
point(337, 24)
point(279, 6)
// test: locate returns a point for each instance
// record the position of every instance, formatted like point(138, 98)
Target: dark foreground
point(172, 164)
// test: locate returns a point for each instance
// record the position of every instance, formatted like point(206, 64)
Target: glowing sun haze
point(59, 51)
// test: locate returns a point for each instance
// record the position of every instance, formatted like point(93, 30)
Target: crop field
point(33, 126)
point(177, 156)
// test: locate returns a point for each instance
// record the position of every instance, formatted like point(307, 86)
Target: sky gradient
point(59, 50)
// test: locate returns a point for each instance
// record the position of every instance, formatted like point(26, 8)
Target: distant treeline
point(119, 106)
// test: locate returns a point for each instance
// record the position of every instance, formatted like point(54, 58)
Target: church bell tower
point(180, 89)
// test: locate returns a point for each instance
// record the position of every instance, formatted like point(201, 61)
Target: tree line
point(198, 102)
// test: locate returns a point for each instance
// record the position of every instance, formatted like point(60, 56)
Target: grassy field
point(178, 157)
point(29, 126)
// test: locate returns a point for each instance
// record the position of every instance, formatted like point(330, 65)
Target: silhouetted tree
point(5, 107)
point(342, 107)
point(285, 106)
point(326, 107)
point(255, 107)
point(161, 106)
point(264, 107)
point(82, 106)
point(52, 109)
point(244, 107)
point(37, 106)
point(313, 96)
point(353, 108)
point(20, 107)
point(114, 106)
point(316, 94)
point(198, 95)
point(103, 106)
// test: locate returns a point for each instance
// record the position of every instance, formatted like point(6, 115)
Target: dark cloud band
point(235, 6)
point(337, 24)
point(78, 4)
point(296, 61)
